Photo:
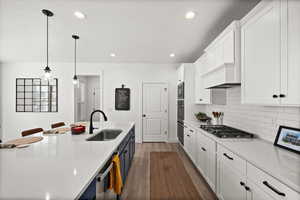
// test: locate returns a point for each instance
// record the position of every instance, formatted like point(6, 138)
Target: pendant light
point(47, 70)
point(75, 78)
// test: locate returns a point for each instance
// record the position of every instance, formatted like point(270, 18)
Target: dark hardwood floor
point(137, 186)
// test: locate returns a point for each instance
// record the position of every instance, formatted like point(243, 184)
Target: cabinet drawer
point(231, 159)
point(271, 185)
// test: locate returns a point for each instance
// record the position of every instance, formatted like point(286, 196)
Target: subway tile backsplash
point(260, 120)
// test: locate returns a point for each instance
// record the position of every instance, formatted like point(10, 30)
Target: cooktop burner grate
point(222, 131)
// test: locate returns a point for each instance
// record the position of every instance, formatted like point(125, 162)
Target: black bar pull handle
point(203, 149)
point(273, 188)
point(281, 95)
point(225, 154)
point(275, 96)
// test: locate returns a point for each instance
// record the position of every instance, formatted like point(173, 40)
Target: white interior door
point(155, 112)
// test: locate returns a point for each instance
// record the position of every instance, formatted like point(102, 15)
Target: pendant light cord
point(47, 40)
point(75, 56)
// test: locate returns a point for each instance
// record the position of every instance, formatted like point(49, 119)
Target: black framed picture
point(288, 138)
point(122, 98)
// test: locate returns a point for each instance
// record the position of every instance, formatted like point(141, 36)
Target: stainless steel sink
point(105, 135)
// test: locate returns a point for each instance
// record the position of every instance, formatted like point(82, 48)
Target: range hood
point(223, 68)
point(224, 76)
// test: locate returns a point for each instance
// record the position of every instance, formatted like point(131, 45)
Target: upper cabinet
point(223, 59)
point(202, 95)
point(270, 46)
point(290, 70)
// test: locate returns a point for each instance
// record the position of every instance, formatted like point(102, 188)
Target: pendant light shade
point(47, 70)
point(75, 78)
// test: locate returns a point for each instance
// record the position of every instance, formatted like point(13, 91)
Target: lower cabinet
point(132, 146)
point(256, 193)
point(190, 142)
point(231, 183)
point(126, 152)
point(122, 157)
point(230, 176)
point(206, 159)
point(202, 163)
point(202, 151)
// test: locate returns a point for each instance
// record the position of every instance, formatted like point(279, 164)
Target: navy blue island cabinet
point(126, 151)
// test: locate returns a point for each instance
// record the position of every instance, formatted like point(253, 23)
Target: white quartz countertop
point(279, 163)
point(58, 167)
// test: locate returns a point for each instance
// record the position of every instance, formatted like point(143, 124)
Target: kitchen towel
point(115, 177)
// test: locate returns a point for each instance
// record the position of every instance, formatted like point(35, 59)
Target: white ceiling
point(135, 30)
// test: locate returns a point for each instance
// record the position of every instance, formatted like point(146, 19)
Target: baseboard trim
point(172, 140)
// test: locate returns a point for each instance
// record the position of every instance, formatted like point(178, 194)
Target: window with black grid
point(36, 95)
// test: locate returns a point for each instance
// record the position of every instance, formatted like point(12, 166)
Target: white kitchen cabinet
point(260, 33)
point(190, 142)
point(202, 95)
point(290, 68)
point(202, 163)
point(206, 162)
point(270, 41)
point(256, 193)
point(231, 183)
point(186, 139)
point(231, 175)
point(271, 186)
point(211, 162)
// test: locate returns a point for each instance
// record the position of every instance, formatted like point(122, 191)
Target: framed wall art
point(288, 138)
point(122, 98)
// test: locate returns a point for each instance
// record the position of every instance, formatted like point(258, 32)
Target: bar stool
point(59, 124)
point(31, 131)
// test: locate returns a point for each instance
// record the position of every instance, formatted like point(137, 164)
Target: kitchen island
point(59, 166)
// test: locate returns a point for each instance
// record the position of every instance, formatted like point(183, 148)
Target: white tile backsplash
point(260, 120)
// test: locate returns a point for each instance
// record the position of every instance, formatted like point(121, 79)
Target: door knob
point(275, 96)
point(144, 115)
point(281, 95)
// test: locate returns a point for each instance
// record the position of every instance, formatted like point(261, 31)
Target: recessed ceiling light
point(112, 55)
point(190, 15)
point(172, 55)
point(79, 15)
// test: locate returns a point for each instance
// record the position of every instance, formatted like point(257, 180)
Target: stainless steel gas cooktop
point(222, 131)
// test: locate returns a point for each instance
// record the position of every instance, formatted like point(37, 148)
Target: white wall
point(130, 74)
point(260, 120)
